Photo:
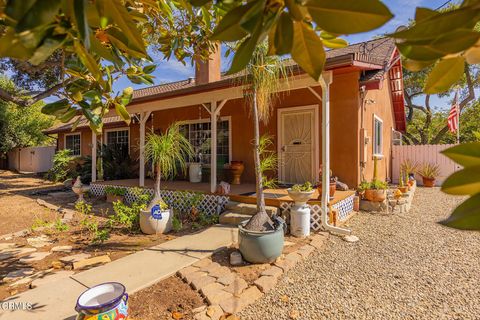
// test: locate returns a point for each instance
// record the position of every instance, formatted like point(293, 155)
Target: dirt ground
point(169, 299)
point(18, 208)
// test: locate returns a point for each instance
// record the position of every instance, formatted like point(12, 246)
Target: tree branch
point(412, 139)
point(462, 105)
point(23, 102)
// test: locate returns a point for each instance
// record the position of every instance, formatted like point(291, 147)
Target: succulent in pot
point(429, 173)
point(168, 153)
point(409, 167)
point(374, 190)
point(115, 193)
point(300, 211)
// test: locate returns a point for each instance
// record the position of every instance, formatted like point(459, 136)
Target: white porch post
point(214, 111)
point(94, 156)
point(143, 120)
point(325, 81)
point(213, 146)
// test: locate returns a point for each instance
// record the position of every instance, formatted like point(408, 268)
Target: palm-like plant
point(262, 75)
point(169, 153)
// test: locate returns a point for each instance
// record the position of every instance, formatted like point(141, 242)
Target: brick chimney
point(207, 71)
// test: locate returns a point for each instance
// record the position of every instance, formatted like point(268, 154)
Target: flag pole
point(458, 119)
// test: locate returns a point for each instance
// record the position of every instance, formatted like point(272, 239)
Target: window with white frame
point(118, 139)
point(377, 135)
point(73, 143)
point(199, 135)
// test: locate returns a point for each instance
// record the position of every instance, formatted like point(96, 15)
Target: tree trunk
point(156, 195)
point(260, 221)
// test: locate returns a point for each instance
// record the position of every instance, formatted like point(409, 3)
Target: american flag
point(454, 115)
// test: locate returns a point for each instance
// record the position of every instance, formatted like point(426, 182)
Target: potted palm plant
point(168, 152)
point(429, 172)
point(409, 167)
point(261, 238)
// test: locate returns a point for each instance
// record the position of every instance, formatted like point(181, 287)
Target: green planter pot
point(261, 247)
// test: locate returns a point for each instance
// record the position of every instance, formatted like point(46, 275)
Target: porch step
point(247, 209)
point(233, 218)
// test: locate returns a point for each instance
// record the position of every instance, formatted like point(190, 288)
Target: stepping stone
point(15, 252)
point(351, 238)
point(237, 286)
point(306, 251)
point(40, 241)
point(233, 218)
point(31, 278)
point(211, 267)
point(91, 262)
point(201, 282)
point(288, 243)
point(187, 270)
point(219, 272)
point(62, 249)
point(34, 256)
point(7, 245)
point(18, 274)
point(273, 271)
point(74, 258)
point(51, 277)
point(47, 205)
point(202, 263)
point(266, 283)
point(227, 279)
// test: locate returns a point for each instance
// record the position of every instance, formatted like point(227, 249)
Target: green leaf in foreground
point(466, 216)
point(463, 182)
point(348, 16)
point(445, 74)
point(467, 154)
point(308, 49)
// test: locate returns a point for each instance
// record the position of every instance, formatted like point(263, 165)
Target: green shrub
point(129, 216)
point(62, 168)
point(115, 191)
point(60, 225)
point(177, 224)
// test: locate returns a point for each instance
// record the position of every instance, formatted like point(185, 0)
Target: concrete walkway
point(57, 299)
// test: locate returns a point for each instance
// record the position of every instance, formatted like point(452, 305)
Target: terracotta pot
point(236, 170)
point(403, 189)
point(356, 203)
point(332, 189)
point(428, 182)
point(112, 198)
point(375, 195)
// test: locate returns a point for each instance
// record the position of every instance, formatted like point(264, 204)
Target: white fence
point(31, 159)
point(422, 154)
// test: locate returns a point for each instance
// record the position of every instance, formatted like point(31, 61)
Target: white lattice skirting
point(344, 208)
point(215, 204)
point(209, 204)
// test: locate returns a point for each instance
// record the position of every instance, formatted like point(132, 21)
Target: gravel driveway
point(405, 266)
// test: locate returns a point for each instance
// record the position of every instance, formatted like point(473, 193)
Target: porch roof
point(373, 56)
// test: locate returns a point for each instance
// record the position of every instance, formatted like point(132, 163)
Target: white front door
point(298, 142)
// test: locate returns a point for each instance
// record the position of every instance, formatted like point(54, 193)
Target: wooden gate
point(422, 154)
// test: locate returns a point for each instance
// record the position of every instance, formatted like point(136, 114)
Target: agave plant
point(169, 153)
point(409, 167)
point(429, 170)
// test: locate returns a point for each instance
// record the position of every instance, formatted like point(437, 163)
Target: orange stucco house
point(366, 107)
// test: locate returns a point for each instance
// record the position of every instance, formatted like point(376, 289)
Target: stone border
point(401, 205)
point(227, 293)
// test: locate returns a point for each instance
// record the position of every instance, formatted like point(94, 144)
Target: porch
point(178, 194)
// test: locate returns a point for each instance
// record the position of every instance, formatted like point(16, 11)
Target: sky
point(403, 10)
